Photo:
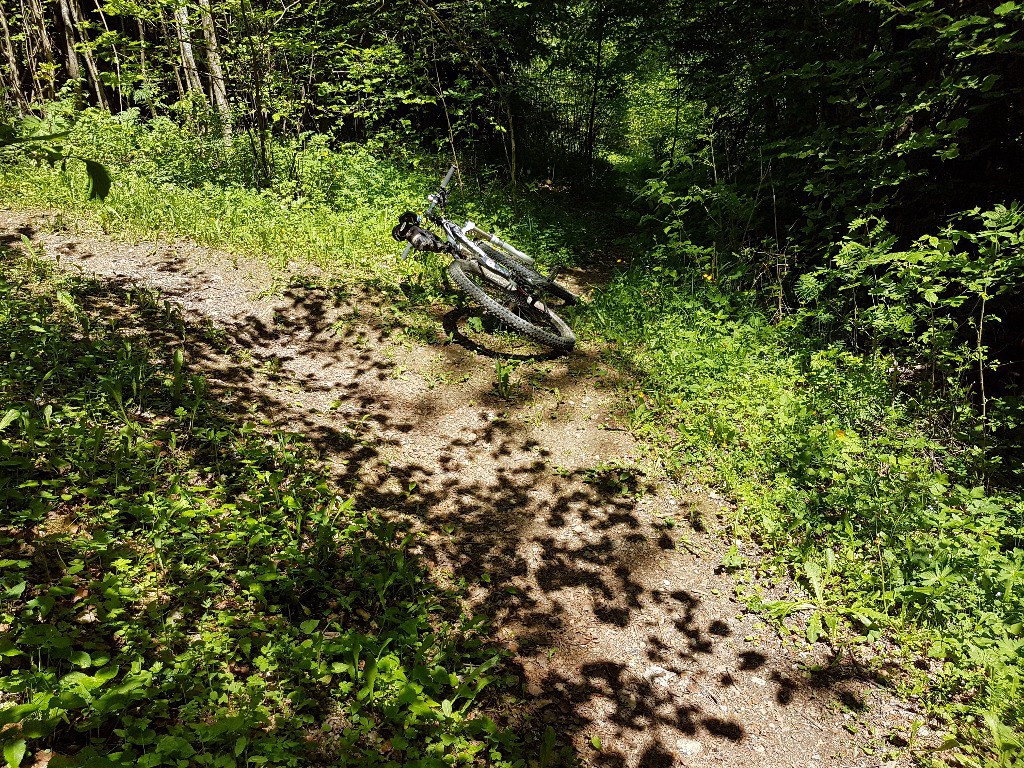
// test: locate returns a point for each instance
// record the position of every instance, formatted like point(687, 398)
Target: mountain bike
point(500, 278)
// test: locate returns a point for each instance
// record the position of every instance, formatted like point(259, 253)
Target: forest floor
point(604, 584)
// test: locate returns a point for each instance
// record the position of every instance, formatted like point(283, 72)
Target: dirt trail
point(623, 626)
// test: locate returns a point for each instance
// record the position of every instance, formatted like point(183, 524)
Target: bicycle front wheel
point(497, 297)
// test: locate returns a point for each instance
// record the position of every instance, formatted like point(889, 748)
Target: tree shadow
point(191, 579)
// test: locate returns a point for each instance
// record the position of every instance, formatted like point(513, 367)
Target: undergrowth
point(181, 584)
point(334, 207)
point(849, 479)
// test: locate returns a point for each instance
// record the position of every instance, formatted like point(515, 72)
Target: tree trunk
point(677, 96)
point(188, 59)
point(142, 48)
point(90, 60)
point(12, 62)
point(45, 44)
point(218, 86)
point(117, 57)
point(142, 66)
point(592, 118)
point(256, 66)
point(74, 66)
point(39, 20)
point(165, 35)
point(29, 60)
point(502, 93)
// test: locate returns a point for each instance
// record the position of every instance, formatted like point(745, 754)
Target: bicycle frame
point(473, 230)
point(459, 236)
point(470, 229)
point(465, 247)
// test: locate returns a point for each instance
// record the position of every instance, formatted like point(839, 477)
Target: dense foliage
point(853, 482)
point(844, 109)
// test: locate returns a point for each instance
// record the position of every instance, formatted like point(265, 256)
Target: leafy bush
point(946, 305)
point(332, 206)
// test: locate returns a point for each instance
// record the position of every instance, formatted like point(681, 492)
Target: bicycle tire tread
point(528, 274)
point(563, 341)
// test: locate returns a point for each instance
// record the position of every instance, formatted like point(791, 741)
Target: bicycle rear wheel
point(498, 298)
point(529, 275)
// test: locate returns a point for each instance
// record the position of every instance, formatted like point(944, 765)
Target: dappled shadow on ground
point(616, 628)
point(171, 567)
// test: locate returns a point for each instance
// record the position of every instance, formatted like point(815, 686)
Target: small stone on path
point(689, 747)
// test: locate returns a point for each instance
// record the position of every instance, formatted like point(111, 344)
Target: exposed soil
point(621, 621)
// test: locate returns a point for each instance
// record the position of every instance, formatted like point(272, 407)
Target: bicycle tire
point(531, 276)
point(560, 336)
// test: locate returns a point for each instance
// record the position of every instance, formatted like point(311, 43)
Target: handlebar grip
point(439, 197)
point(434, 200)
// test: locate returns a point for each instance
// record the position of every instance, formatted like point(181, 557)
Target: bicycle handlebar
point(448, 176)
point(433, 201)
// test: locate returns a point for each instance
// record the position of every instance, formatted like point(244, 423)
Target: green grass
point(181, 584)
point(331, 207)
point(235, 219)
point(851, 484)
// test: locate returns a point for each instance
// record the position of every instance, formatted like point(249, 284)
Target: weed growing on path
point(503, 370)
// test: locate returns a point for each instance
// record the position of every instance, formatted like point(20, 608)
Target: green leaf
point(1005, 8)
point(99, 180)
point(8, 648)
point(813, 571)
point(14, 752)
point(814, 630)
point(16, 590)
point(308, 627)
point(1007, 742)
point(595, 742)
point(67, 301)
point(547, 748)
point(107, 673)
point(38, 729)
point(15, 714)
point(10, 416)
point(6, 141)
point(732, 559)
point(81, 659)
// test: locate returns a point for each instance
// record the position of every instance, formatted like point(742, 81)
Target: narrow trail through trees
point(619, 620)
